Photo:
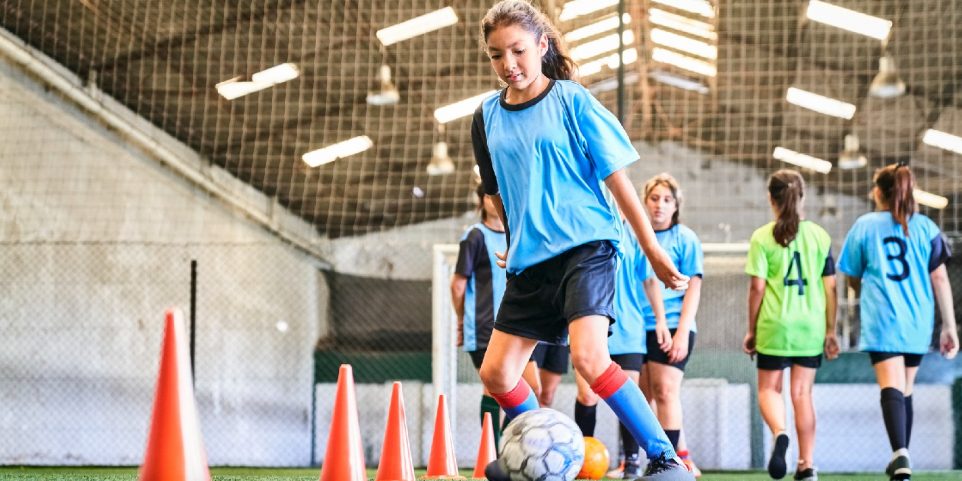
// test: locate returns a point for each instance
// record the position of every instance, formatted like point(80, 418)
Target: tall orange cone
point(344, 460)
point(487, 451)
point(396, 462)
point(175, 448)
point(442, 463)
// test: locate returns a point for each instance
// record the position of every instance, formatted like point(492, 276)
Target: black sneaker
point(899, 468)
point(664, 468)
point(776, 463)
point(632, 467)
point(809, 474)
point(494, 472)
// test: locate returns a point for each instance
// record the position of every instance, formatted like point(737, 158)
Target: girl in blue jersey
point(670, 344)
point(546, 150)
point(895, 257)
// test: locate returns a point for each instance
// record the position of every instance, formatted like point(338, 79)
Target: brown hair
point(556, 63)
point(896, 183)
point(787, 188)
point(665, 179)
point(480, 192)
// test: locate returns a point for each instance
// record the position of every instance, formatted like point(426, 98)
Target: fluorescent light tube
point(276, 74)
point(604, 44)
point(932, 200)
point(704, 30)
point(593, 29)
point(235, 87)
point(845, 19)
point(578, 8)
point(681, 42)
point(678, 81)
point(802, 160)
point(461, 108)
point(336, 151)
point(683, 61)
point(429, 22)
point(628, 57)
point(819, 103)
point(943, 140)
point(700, 7)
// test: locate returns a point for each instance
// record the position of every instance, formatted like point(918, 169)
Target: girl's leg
point(501, 372)
point(910, 373)
point(589, 355)
point(802, 379)
point(770, 401)
point(666, 385)
point(532, 376)
point(549, 385)
point(586, 405)
point(892, 376)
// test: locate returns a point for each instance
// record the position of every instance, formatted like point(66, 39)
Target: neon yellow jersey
point(791, 321)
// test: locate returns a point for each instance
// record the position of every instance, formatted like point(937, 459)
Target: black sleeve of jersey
point(941, 252)
point(481, 154)
point(829, 269)
point(469, 249)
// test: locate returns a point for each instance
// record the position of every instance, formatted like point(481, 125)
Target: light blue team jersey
point(684, 248)
point(486, 283)
point(550, 157)
point(896, 301)
point(628, 331)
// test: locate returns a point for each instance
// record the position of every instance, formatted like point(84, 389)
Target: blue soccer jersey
point(548, 159)
point(684, 248)
point(486, 282)
point(628, 331)
point(897, 304)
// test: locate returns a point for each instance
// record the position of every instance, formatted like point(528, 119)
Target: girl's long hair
point(786, 187)
point(556, 63)
point(665, 179)
point(896, 182)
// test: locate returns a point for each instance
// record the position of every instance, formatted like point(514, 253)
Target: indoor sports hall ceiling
point(163, 60)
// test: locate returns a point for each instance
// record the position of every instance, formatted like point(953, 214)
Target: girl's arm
point(630, 205)
point(459, 285)
point(756, 291)
point(831, 305)
point(689, 306)
point(949, 340)
point(653, 293)
point(499, 205)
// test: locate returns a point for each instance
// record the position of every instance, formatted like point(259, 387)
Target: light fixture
point(886, 83)
point(660, 17)
point(441, 163)
point(429, 22)
point(461, 108)
point(628, 57)
point(802, 160)
point(943, 140)
point(593, 29)
point(700, 7)
point(387, 93)
point(233, 88)
point(678, 81)
point(683, 43)
point(850, 20)
point(336, 151)
point(820, 103)
point(851, 158)
point(577, 8)
point(604, 44)
point(929, 199)
point(685, 62)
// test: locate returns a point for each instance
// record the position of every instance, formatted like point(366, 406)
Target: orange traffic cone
point(442, 463)
point(175, 449)
point(396, 463)
point(344, 460)
point(487, 451)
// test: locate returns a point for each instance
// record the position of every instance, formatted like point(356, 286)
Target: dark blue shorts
point(911, 360)
point(551, 357)
point(767, 362)
point(655, 354)
point(540, 301)
point(629, 362)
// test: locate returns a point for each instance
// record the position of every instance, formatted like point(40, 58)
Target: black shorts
point(551, 357)
point(911, 360)
point(629, 362)
point(477, 357)
point(655, 354)
point(777, 363)
point(540, 301)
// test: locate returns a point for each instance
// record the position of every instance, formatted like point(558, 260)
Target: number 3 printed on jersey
point(901, 247)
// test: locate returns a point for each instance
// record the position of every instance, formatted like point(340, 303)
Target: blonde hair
point(665, 179)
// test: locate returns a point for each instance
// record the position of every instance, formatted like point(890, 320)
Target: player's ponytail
point(896, 183)
point(556, 63)
point(786, 188)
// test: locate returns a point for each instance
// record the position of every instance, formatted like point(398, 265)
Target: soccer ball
point(542, 445)
point(596, 460)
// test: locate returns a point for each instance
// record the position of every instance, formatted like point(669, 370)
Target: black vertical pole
point(621, 62)
point(193, 312)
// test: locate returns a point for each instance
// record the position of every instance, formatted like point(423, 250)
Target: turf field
point(264, 474)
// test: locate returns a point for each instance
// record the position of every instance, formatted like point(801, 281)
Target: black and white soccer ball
point(542, 445)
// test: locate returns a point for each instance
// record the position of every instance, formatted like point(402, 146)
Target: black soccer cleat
point(494, 472)
point(776, 463)
point(899, 468)
point(664, 468)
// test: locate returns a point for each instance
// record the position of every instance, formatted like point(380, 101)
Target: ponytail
point(555, 64)
point(786, 188)
point(896, 183)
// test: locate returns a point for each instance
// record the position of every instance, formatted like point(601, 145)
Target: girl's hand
point(748, 344)
point(663, 335)
point(831, 346)
point(949, 343)
point(666, 271)
point(679, 346)
point(502, 259)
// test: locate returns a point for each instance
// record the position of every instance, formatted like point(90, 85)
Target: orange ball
point(596, 459)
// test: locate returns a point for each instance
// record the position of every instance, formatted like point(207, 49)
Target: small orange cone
point(396, 462)
point(487, 451)
point(344, 460)
point(442, 463)
point(175, 448)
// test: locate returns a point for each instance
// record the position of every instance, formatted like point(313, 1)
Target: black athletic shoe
point(899, 468)
point(809, 474)
point(494, 472)
point(664, 468)
point(776, 463)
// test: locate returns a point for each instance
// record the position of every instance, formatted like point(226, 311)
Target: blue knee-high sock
point(629, 404)
point(517, 400)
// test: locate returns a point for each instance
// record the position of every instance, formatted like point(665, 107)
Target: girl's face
point(661, 205)
point(489, 208)
point(515, 55)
